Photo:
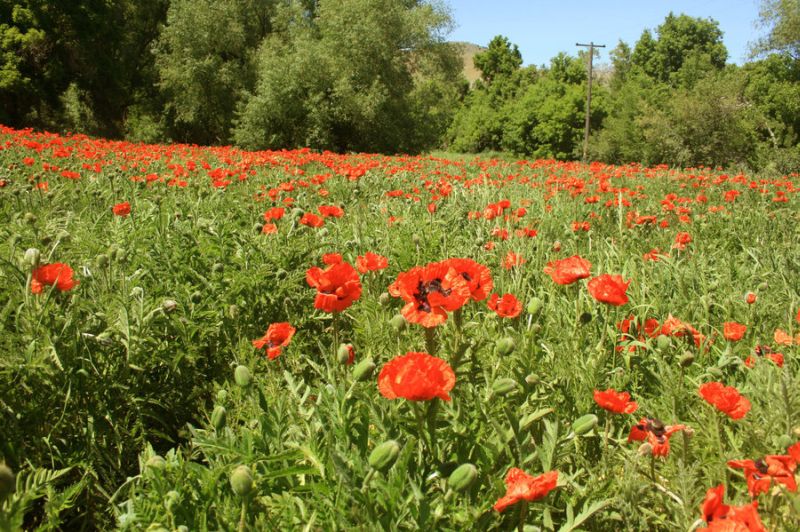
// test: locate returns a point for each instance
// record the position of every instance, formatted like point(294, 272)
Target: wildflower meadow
point(200, 338)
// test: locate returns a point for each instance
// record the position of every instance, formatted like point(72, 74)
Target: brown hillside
point(468, 51)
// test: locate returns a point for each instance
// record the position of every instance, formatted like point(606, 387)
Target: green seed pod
point(242, 480)
point(384, 298)
point(384, 455)
point(663, 342)
point(463, 477)
point(686, 360)
point(364, 369)
point(504, 386)
point(7, 482)
point(169, 305)
point(533, 379)
point(218, 417)
point(31, 258)
point(398, 322)
point(504, 346)
point(242, 376)
point(584, 424)
point(156, 462)
point(343, 353)
point(535, 306)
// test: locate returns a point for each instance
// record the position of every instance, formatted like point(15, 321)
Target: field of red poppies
point(206, 338)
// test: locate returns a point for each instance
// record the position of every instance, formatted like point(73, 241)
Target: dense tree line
point(671, 98)
point(377, 75)
point(331, 74)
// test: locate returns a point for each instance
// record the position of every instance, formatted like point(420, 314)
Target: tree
point(782, 18)
point(680, 38)
point(500, 59)
point(351, 75)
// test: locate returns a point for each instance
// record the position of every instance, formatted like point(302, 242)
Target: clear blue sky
point(543, 28)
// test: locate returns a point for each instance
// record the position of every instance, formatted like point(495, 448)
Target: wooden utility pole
point(591, 47)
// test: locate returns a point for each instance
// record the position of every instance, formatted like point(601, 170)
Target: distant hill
point(468, 51)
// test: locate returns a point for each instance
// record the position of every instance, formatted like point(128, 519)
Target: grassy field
point(198, 338)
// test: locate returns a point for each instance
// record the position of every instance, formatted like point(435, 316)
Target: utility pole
point(591, 47)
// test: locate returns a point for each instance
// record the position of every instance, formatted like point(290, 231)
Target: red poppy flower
point(766, 352)
point(512, 259)
point(781, 337)
point(733, 331)
point(370, 262)
point(332, 258)
point(478, 277)
point(749, 298)
point(58, 274)
point(121, 209)
point(726, 399)
point(521, 486)
point(722, 517)
point(269, 229)
point(430, 293)
point(416, 377)
point(654, 255)
point(656, 433)
point(567, 271)
point(312, 220)
point(609, 289)
point(761, 474)
point(337, 286)
point(798, 316)
point(330, 210)
point(614, 401)
point(275, 213)
point(682, 240)
point(278, 335)
point(506, 307)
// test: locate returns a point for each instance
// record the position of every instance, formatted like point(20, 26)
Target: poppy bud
point(364, 369)
point(715, 372)
point(398, 322)
point(343, 353)
point(586, 317)
point(763, 286)
point(7, 482)
point(297, 212)
point(645, 449)
point(557, 246)
point(384, 298)
point(219, 417)
point(689, 431)
point(169, 305)
point(29, 218)
point(102, 260)
point(233, 312)
point(258, 228)
point(416, 239)
point(32, 256)
point(796, 432)
point(242, 376)
point(584, 424)
point(686, 360)
point(156, 462)
point(504, 386)
point(785, 441)
point(533, 379)
point(463, 477)
point(222, 395)
point(171, 498)
point(137, 292)
point(504, 346)
point(384, 455)
point(63, 236)
point(241, 480)
point(322, 232)
point(663, 342)
point(535, 306)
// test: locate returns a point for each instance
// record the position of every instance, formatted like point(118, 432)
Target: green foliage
point(500, 59)
point(782, 18)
